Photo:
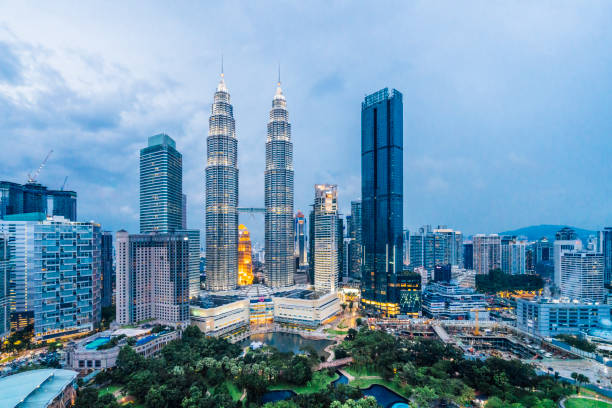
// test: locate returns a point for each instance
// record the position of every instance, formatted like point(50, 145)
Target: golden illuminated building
point(245, 261)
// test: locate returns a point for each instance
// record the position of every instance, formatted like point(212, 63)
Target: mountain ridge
point(535, 232)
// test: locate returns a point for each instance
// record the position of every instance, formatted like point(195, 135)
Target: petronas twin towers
point(222, 195)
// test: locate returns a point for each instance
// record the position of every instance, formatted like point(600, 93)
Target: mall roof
point(34, 389)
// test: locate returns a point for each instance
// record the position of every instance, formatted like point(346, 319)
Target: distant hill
point(535, 232)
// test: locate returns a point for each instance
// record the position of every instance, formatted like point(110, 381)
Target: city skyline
point(473, 131)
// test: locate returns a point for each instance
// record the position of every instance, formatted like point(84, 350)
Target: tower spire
point(221, 65)
point(279, 82)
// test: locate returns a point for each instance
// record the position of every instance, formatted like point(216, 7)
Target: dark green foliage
point(577, 342)
point(497, 281)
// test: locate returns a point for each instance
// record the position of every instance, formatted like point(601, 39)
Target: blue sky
point(507, 105)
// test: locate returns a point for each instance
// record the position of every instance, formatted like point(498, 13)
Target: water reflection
point(286, 342)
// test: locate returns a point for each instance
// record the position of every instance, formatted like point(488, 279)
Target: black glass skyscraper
point(382, 199)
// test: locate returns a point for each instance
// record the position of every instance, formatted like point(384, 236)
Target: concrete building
point(194, 260)
point(279, 266)
point(326, 239)
point(382, 144)
point(33, 197)
point(565, 240)
point(221, 316)
point(161, 186)
point(487, 253)
point(54, 273)
point(582, 276)
point(106, 268)
point(517, 257)
point(152, 277)
point(546, 317)
point(5, 316)
point(304, 308)
point(444, 300)
point(44, 388)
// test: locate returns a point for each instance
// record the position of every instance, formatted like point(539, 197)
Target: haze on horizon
point(507, 106)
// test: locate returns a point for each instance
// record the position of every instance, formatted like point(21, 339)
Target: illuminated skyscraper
point(279, 235)
point(300, 240)
point(245, 257)
point(327, 240)
point(221, 194)
point(382, 199)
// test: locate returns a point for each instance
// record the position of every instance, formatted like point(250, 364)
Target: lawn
point(319, 382)
point(336, 332)
point(233, 391)
point(586, 403)
point(361, 372)
point(108, 390)
point(363, 383)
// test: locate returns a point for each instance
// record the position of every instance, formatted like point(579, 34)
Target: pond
point(273, 396)
point(286, 342)
point(343, 379)
point(385, 397)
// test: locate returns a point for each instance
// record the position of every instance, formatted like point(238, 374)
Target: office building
point(468, 255)
point(546, 317)
point(442, 273)
point(381, 198)
point(245, 257)
point(517, 251)
point(355, 247)
point(161, 186)
point(106, 268)
point(55, 272)
point(543, 251)
point(279, 233)
point(221, 194)
point(5, 315)
point(41, 388)
point(487, 253)
point(184, 212)
point(566, 240)
point(582, 276)
point(194, 260)
point(505, 241)
point(33, 197)
point(408, 291)
point(429, 247)
point(606, 248)
point(152, 277)
point(327, 240)
point(301, 243)
point(443, 300)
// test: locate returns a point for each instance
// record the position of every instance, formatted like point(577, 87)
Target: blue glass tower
point(382, 199)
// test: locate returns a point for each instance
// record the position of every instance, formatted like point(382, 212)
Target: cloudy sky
point(507, 105)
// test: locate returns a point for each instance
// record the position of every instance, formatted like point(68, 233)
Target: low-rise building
point(305, 308)
point(45, 388)
point(547, 317)
point(221, 316)
point(448, 300)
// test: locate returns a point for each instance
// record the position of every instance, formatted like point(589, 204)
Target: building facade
point(161, 186)
point(566, 240)
point(381, 198)
point(487, 253)
point(221, 194)
point(106, 268)
point(55, 274)
point(5, 311)
point(326, 240)
point(582, 276)
point(35, 198)
point(518, 258)
point(301, 241)
point(355, 247)
point(245, 257)
point(606, 248)
point(194, 261)
point(279, 232)
point(549, 317)
point(152, 277)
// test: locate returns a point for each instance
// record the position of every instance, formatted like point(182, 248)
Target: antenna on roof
point(279, 73)
point(221, 65)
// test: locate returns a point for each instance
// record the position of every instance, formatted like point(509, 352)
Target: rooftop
point(34, 389)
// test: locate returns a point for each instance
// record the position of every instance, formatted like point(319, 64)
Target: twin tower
point(222, 195)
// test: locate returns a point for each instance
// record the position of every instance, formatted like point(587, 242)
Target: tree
point(368, 402)
point(423, 396)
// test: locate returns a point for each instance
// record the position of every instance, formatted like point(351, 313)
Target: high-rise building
point(606, 248)
point(543, 251)
point(161, 186)
point(566, 240)
point(468, 255)
point(505, 241)
point(5, 315)
point(301, 250)
point(429, 247)
point(152, 277)
point(194, 260)
point(518, 258)
point(184, 212)
point(355, 256)
point(487, 253)
point(279, 264)
point(382, 199)
point(36, 198)
point(222, 194)
point(326, 239)
point(582, 276)
point(245, 257)
point(106, 268)
point(340, 239)
point(54, 269)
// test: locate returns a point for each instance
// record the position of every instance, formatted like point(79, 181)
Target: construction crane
point(64, 184)
point(32, 178)
point(476, 323)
